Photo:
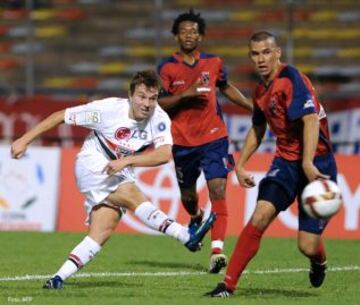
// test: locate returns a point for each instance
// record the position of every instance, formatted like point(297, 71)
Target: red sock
point(320, 256)
point(245, 249)
point(218, 230)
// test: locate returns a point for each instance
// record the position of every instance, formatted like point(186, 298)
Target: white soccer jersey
point(109, 118)
point(114, 135)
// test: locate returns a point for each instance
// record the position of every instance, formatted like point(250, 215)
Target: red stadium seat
point(6, 64)
point(15, 14)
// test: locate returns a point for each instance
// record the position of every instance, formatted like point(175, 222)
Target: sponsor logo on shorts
point(273, 173)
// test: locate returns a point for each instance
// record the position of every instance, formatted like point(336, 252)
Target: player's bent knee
point(263, 215)
point(217, 189)
point(217, 195)
point(307, 250)
point(260, 221)
point(217, 192)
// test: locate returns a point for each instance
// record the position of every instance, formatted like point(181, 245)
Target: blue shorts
point(211, 158)
point(290, 180)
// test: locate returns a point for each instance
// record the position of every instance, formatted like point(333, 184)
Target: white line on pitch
point(29, 277)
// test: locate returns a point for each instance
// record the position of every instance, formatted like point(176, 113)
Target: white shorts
point(95, 184)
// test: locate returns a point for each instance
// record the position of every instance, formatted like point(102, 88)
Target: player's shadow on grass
point(269, 293)
point(160, 264)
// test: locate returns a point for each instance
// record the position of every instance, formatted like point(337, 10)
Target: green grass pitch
point(156, 270)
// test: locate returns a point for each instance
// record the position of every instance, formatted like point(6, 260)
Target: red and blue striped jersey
point(194, 121)
point(282, 104)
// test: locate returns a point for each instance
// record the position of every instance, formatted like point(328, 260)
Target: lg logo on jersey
point(139, 134)
point(124, 133)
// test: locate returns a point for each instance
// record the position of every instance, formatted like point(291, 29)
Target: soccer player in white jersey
point(121, 128)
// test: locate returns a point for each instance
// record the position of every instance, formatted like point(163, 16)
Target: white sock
point(83, 253)
point(158, 220)
point(179, 232)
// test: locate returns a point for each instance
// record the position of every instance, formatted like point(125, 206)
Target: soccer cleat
point(55, 282)
point(217, 262)
point(194, 243)
point(195, 222)
point(220, 291)
point(317, 274)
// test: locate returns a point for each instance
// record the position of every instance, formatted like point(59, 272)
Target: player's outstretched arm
point(159, 156)
point(311, 139)
point(19, 146)
point(235, 96)
point(252, 142)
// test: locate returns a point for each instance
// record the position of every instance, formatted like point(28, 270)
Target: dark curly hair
point(189, 16)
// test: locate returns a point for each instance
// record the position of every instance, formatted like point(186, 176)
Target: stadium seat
point(83, 39)
point(50, 31)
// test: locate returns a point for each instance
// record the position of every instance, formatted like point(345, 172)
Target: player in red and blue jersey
point(190, 78)
point(286, 101)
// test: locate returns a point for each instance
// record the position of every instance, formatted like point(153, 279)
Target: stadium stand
point(81, 49)
point(87, 46)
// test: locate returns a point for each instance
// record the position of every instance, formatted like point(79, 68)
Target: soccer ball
point(321, 199)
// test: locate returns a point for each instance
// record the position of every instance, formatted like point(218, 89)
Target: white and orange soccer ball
point(321, 199)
